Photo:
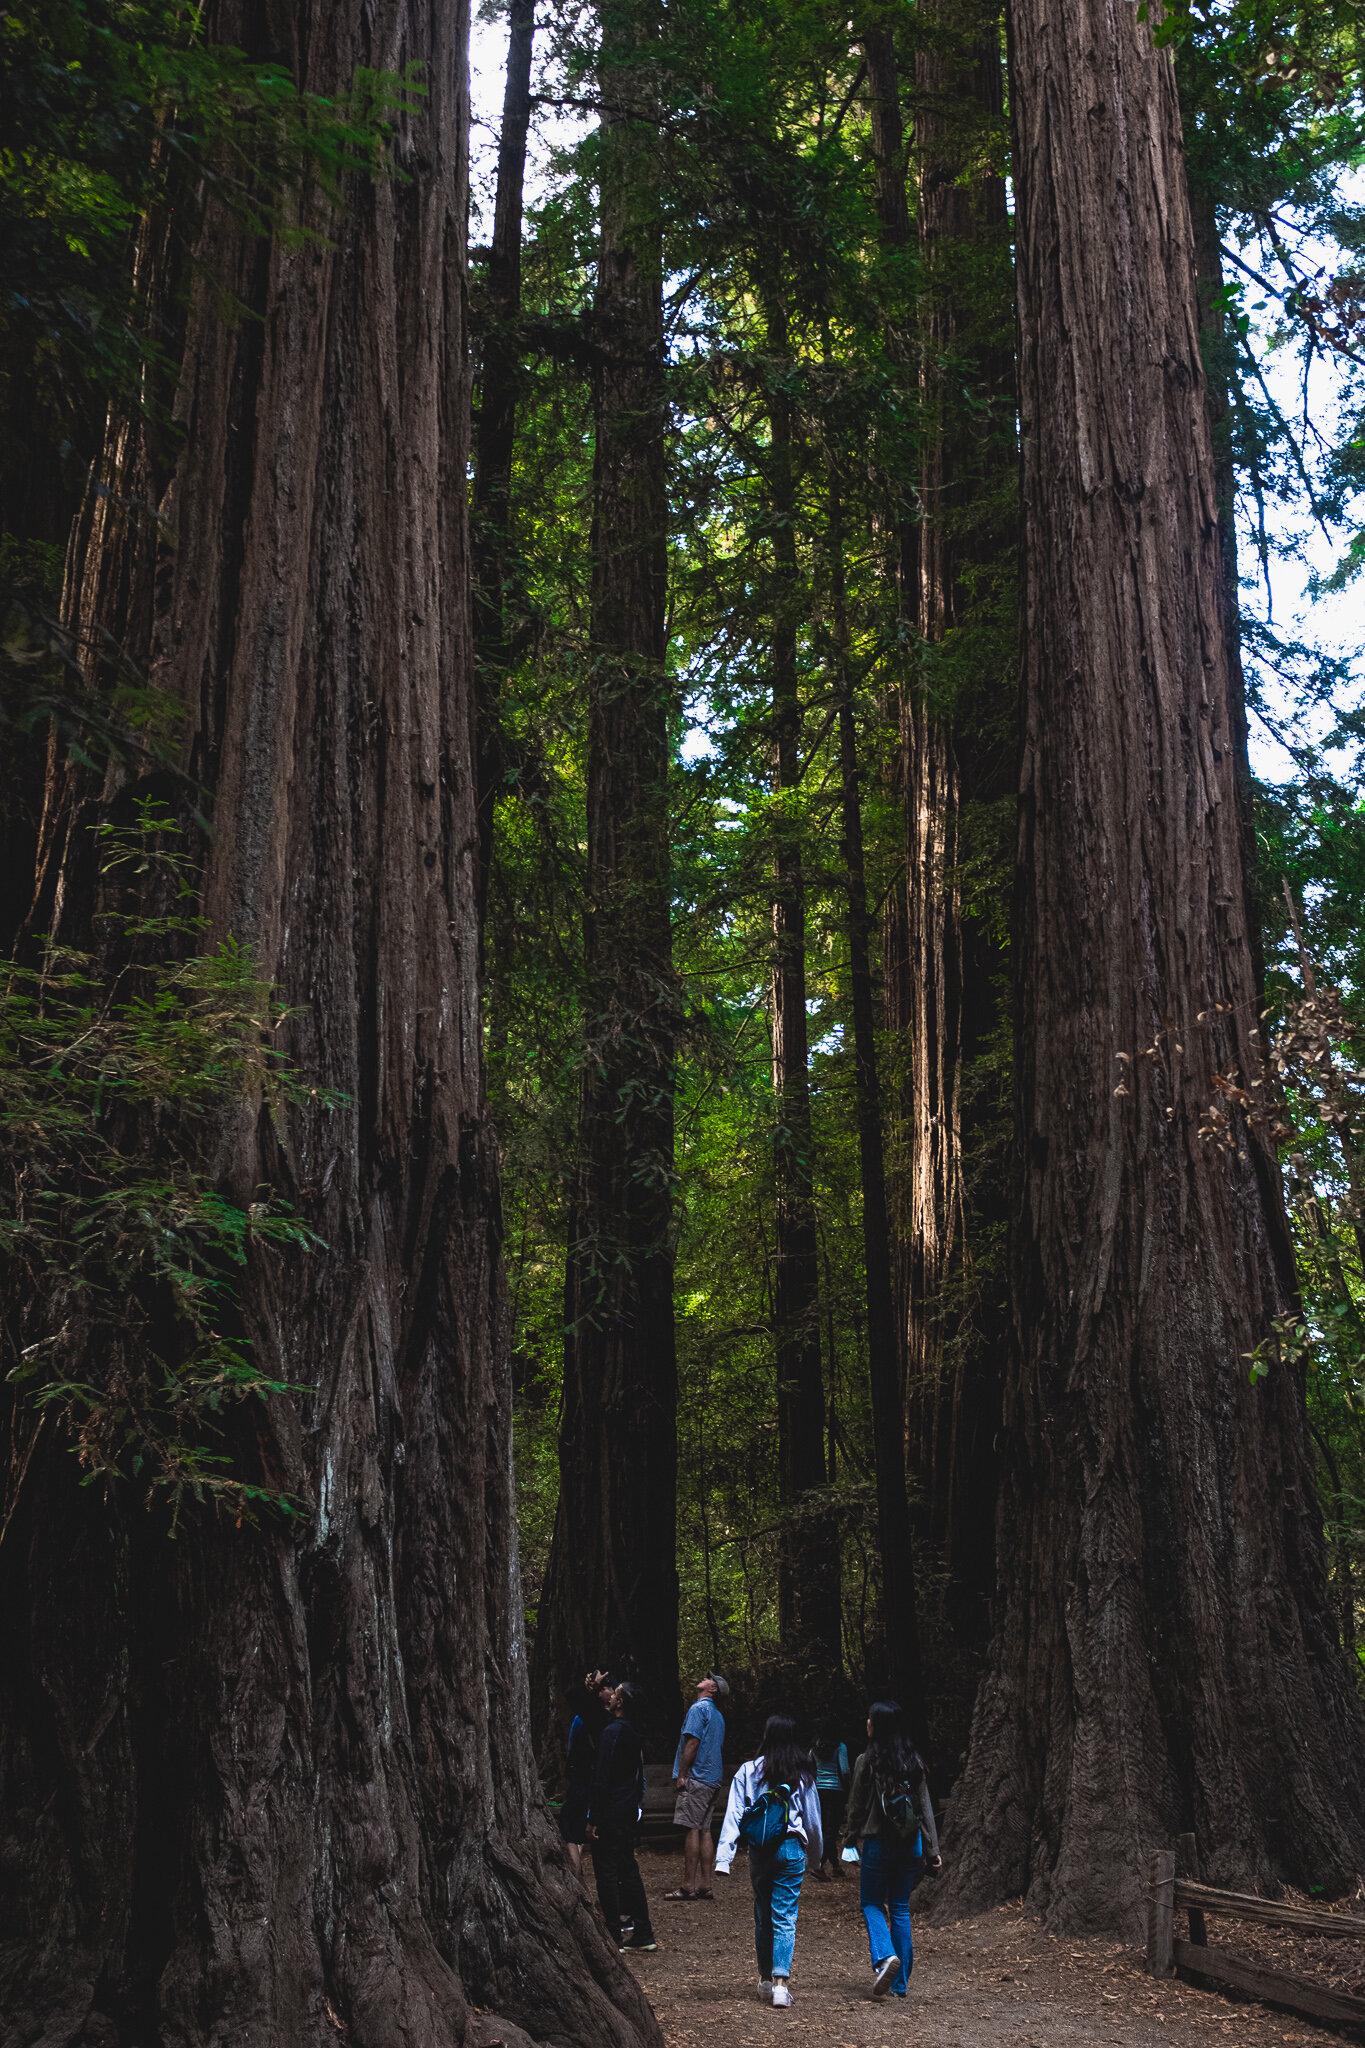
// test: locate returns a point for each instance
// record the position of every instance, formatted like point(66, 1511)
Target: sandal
point(705, 1895)
point(680, 1894)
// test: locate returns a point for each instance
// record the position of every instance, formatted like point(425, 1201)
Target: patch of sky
point(1284, 550)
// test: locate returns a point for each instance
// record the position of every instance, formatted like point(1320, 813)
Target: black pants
point(832, 1805)
point(620, 1888)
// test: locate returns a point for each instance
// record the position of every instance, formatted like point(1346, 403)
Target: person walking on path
point(697, 1774)
point(581, 1762)
point(891, 1817)
point(618, 1790)
point(831, 1782)
point(775, 1808)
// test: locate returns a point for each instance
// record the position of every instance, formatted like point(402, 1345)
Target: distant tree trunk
point(497, 420)
point(809, 1611)
point(953, 756)
point(1165, 1659)
point(266, 1784)
point(940, 1001)
point(895, 1543)
point(611, 1590)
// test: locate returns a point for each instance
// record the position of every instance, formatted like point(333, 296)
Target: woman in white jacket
point(776, 1869)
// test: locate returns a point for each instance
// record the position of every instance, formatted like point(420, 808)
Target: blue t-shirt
point(707, 1723)
point(831, 1772)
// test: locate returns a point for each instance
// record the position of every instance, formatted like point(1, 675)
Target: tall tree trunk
point(809, 1611)
point(497, 420)
point(1213, 352)
point(1165, 1658)
point(939, 972)
point(895, 1545)
point(611, 1589)
point(264, 1784)
point(953, 756)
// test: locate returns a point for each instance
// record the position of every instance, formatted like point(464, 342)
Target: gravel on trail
point(997, 1981)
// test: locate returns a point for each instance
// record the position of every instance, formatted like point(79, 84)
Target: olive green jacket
point(864, 1817)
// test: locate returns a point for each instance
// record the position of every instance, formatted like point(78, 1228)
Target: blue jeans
point(886, 1879)
point(776, 1876)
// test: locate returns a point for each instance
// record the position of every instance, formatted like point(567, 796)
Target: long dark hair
point(890, 1750)
point(784, 1760)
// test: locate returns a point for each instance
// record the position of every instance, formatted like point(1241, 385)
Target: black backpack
point(899, 1801)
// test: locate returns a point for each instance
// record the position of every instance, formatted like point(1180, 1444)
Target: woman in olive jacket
point(890, 1869)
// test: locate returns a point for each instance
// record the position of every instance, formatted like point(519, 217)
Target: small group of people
point(788, 1805)
point(779, 1809)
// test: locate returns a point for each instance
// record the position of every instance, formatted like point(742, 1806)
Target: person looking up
point(891, 1817)
point(697, 1774)
point(774, 1807)
point(618, 1790)
point(590, 1718)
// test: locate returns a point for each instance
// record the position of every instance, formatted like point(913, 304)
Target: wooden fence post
point(1187, 1865)
point(1161, 1912)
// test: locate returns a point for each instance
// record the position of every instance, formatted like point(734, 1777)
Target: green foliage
point(767, 192)
point(116, 114)
point(118, 1249)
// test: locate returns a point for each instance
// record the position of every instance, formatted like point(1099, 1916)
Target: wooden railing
point(1169, 1893)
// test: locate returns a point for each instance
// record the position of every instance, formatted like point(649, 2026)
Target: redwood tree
point(495, 438)
point(261, 1785)
point(958, 741)
point(1164, 1658)
point(809, 1615)
point(611, 1585)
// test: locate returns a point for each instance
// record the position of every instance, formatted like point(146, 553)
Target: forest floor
point(997, 1981)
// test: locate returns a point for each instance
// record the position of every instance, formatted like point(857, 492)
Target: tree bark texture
point(939, 997)
point(895, 1545)
point(495, 439)
point(809, 1610)
point(953, 755)
point(1165, 1660)
point(611, 1587)
point(261, 1787)
point(1213, 351)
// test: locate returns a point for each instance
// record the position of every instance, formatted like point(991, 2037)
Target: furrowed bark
point(611, 1588)
point(954, 755)
point(939, 996)
point(808, 1557)
point(1165, 1659)
point(264, 1786)
point(895, 1543)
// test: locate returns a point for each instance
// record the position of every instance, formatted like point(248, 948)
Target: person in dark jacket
point(890, 1866)
point(585, 1729)
point(618, 1790)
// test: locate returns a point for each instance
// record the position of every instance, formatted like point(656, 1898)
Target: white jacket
point(745, 1787)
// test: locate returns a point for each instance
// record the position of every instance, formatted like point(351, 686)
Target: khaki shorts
point(695, 1805)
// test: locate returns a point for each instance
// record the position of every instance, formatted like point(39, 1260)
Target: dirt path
point(998, 1981)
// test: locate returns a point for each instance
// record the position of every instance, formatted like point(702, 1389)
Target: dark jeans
point(620, 1888)
point(885, 1881)
point(832, 1806)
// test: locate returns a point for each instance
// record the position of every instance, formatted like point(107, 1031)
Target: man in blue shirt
point(697, 1774)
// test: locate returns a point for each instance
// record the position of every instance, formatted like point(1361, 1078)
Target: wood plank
point(1160, 1911)
point(1273, 1987)
point(1187, 1865)
point(1244, 1906)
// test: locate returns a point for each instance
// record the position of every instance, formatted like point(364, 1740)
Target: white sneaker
point(765, 1989)
point(782, 1994)
point(883, 1972)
